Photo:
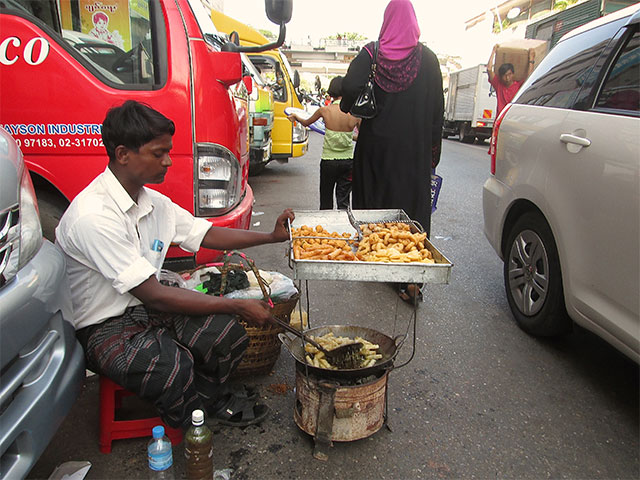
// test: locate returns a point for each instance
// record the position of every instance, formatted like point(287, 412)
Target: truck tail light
point(218, 180)
point(481, 124)
point(494, 138)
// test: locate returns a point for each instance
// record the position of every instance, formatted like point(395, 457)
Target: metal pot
point(387, 347)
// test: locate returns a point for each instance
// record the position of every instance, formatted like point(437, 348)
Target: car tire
point(51, 208)
point(256, 169)
point(533, 278)
point(463, 134)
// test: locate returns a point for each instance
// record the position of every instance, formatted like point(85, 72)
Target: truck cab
point(66, 62)
point(261, 117)
point(290, 139)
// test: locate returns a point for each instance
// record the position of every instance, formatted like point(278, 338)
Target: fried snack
point(324, 245)
point(368, 353)
point(392, 242)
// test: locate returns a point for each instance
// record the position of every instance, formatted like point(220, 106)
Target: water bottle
point(198, 448)
point(160, 455)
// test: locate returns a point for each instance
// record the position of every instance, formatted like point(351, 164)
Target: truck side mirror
point(279, 11)
point(296, 79)
point(248, 82)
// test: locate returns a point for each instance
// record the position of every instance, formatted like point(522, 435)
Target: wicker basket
point(264, 347)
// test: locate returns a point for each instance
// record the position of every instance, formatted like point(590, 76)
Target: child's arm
point(316, 115)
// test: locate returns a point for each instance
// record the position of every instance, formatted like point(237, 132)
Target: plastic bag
point(282, 289)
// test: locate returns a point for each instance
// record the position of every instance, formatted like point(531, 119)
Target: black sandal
point(240, 411)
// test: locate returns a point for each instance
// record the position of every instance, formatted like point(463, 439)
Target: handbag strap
point(374, 58)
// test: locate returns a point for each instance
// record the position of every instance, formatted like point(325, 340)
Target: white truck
point(471, 105)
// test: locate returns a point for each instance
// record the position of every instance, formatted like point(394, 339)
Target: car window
point(621, 89)
point(566, 69)
point(116, 41)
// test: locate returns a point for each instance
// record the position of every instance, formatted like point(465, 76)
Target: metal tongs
point(356, 223)
point(344, 357)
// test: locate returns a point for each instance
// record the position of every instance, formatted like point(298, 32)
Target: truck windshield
point(203, 18)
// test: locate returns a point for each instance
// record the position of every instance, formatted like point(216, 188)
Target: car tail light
point(259, 121)
point(494, 138)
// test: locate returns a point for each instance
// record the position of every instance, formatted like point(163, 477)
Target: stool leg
point(107, 414)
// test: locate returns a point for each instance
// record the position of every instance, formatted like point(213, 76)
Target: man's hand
point(281, 230)
point(254, 312)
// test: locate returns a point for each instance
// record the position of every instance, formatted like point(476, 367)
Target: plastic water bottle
point(198, 448)
point(160, 455)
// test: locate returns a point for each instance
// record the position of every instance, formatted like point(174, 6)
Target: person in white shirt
point(174, 347)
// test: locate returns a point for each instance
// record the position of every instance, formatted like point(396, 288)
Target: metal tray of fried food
point(338, 221)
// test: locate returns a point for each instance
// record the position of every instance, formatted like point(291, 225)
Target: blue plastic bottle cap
point(158, 432)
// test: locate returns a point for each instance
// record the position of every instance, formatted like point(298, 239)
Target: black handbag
point(365, 105)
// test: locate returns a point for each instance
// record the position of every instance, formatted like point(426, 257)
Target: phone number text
point(59, 142)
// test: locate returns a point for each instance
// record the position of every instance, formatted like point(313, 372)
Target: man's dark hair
point(504, 68)
point(335, 87)
point(133, 124)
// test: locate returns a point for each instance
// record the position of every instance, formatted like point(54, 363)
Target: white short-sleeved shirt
point(108, 239)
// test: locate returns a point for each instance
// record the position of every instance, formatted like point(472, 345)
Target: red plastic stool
point(111, 429)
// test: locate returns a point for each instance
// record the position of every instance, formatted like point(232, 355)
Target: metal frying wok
point(387, 347)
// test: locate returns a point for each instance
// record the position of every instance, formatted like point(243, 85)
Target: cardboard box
point(516, 52)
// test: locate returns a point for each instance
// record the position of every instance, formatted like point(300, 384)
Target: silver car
point(562, 204)
point(42, 363)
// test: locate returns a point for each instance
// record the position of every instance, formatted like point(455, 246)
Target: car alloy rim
point(528, 272)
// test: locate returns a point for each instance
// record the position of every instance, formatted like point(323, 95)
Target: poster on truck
point(105, 20)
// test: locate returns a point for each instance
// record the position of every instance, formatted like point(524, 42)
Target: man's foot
point(410, 293)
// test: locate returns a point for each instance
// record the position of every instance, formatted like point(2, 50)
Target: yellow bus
point(288, 139)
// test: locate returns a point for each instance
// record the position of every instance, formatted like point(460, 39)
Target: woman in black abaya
point(398, 148)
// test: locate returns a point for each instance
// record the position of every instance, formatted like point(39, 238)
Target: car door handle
point(568, 138)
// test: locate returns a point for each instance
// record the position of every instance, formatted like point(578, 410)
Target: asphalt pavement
point(477, 398)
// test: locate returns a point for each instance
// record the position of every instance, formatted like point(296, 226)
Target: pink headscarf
point(400, 32)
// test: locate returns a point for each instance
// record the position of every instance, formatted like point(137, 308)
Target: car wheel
point(51, 208)
point(256, 169)
point(533, 278)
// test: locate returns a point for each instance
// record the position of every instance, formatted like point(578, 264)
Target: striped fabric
point(177, 362)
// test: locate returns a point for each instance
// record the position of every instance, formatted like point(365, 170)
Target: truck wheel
point(256, 168)
point(463, 134)
point(445, 134)
point(51, 207)
point(533, 278)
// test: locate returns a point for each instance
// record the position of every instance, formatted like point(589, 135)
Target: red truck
point(64, 63)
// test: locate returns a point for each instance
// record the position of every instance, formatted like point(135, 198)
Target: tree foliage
point(347, 36)
point(267, 33)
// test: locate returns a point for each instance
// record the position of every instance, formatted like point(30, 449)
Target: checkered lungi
point(177, 362)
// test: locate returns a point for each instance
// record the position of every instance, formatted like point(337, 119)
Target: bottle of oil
point(198, 448)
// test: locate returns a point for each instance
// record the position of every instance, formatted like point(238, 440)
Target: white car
point(562, 204)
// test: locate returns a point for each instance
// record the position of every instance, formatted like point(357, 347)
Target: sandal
point(240, 411)
point(410, 293)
